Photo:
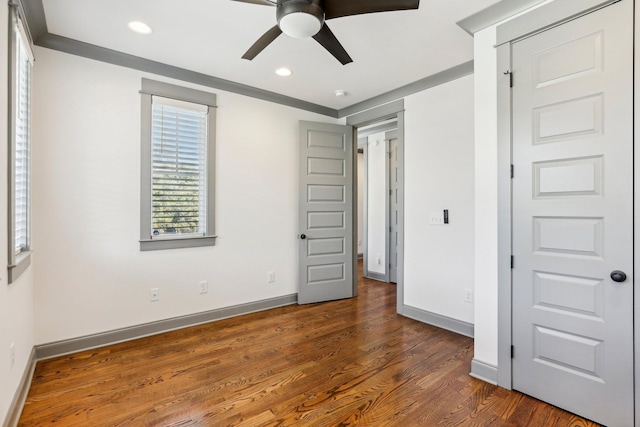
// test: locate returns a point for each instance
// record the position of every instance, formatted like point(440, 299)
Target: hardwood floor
point(342, 363)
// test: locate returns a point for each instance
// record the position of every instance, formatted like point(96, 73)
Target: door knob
point(304, 236)
point(618, 276)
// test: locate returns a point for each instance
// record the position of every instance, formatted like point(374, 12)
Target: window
point(20, 60)
point(177, 180)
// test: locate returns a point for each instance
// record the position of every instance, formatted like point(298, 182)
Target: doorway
point(378, 200)
point(380, 136)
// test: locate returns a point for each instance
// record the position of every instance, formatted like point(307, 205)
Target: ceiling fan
point(306, 18)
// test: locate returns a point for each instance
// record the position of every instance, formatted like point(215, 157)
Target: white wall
point(439, 174)
point(376, 203)
point(486, 198)
point(16, 300)
point(90, 275)
point(486, 193)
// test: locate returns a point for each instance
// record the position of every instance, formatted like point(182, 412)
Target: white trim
point(380, 277)
point(23, 27)
point(495, 13)
point(74, 345)
point(636, 218)
point(26, 40)
point(545, 17)
point(434, 319)
point(20, 396)
point(484, 371)
point(504, 217)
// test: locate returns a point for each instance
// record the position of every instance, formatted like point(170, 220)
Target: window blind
point(22, 147)
point(178, 168)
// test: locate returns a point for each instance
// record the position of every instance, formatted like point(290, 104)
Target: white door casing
point(573, 215)
point(326, 255)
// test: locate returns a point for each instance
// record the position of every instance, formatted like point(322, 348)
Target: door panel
point(326, 212)
point(573, 215)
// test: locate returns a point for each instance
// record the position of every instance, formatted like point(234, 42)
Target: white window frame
point(148, 241)
point(19, 52)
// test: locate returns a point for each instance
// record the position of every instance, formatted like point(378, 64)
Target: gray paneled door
point(573, 215)
point(326, 257)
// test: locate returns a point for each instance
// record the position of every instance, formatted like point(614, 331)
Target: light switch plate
point(436, 218)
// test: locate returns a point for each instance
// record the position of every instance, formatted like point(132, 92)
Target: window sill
point(177, 243)
point(21, 262)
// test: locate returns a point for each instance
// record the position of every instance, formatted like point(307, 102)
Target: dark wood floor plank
point(351, 362)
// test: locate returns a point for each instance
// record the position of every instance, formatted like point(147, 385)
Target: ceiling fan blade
point(263, 2)
point(326, 38)
point(339, 8)
point(262, 42)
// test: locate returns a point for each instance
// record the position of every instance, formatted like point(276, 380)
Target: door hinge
point(510, 74)
point(511, 261)
point(512, 352)
point(511, 171)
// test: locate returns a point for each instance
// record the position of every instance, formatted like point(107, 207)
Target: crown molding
point(495, 13)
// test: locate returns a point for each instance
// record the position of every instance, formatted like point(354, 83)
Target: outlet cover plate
point(203, 285)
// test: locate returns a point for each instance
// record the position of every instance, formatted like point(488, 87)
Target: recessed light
point(140, 27)
point(284, 72)
point(341, 92)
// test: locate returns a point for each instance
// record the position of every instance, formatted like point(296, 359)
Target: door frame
point(391, 110)
point(388, 137)
point(363, 144)
point(536, 21)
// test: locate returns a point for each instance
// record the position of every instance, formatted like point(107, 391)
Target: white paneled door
point(326, 256)
point(573, 215)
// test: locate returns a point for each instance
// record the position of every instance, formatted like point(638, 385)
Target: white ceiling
point(389, 49)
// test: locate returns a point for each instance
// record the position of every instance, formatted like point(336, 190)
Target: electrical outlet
point(271, 277)
point(155, 294)
point(12, 353)
point(379, 259)
point(468, 295)
point(203, 285)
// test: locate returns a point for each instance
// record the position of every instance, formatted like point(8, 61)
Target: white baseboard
point(444, 322)
point(74, 345)
point(15, 409)
point(484, 371)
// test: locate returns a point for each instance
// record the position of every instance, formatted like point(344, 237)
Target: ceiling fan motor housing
point(300, 18)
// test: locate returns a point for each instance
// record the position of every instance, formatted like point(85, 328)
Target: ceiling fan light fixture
point(300, 25)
